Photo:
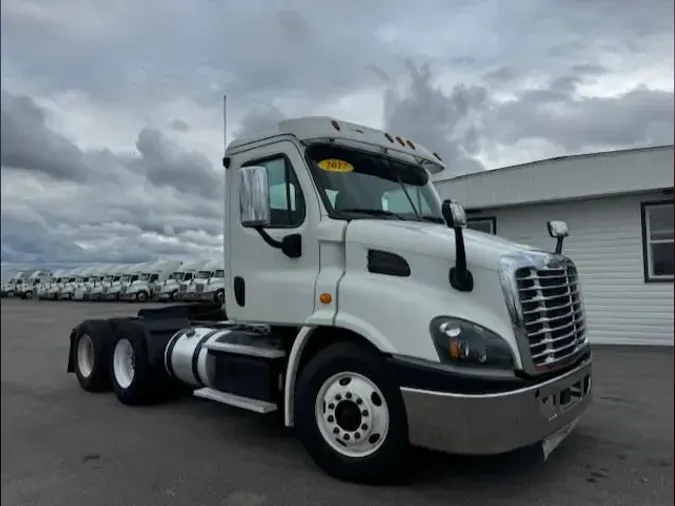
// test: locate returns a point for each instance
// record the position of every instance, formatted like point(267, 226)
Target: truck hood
point(432, 240)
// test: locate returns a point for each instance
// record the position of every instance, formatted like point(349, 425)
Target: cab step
point(255, 405)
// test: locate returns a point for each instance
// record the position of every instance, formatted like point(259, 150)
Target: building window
point(487, 225)
point(657, 241)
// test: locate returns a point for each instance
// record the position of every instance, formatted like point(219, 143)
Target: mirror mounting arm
point(290, 245)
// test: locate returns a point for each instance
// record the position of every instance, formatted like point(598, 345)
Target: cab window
point(287, 204)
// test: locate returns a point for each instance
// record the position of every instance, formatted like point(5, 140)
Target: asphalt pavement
point(62, 446)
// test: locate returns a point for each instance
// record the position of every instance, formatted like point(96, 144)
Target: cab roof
point(324, 128)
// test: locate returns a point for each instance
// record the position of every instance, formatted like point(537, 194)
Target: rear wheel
point(141, 296)
point(350, 416)
point(91, 344)
point(133, 379)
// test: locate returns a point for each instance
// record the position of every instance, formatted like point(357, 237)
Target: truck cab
point(57, 284)
point(67, 292)
point(127, 276)
point(42, 289)
point(169, 288)
point(83, 289)
point(9, 289)
point(359, 304)
point(208, 284)
point(141, 290)
point(111, 276)
point(28, 288)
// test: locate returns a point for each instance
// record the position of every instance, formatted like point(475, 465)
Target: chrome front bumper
point(485, 424)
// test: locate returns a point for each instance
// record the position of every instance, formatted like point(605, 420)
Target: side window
point(134, 278)
point(153, 278)
point(487, 225)
point(287, 204)
point(658, 241)
point(188, 276)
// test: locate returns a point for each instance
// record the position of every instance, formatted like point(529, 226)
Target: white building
point(619, 208)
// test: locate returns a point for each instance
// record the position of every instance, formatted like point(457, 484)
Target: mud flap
point(552, 442)
point(70, 368)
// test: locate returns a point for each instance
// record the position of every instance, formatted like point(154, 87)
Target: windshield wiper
point(372, 212)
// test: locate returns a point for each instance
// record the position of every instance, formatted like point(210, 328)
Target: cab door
point(263, 284)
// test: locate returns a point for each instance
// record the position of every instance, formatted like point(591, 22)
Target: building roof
point(562, 178)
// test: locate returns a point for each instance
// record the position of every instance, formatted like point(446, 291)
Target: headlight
point(460, 342)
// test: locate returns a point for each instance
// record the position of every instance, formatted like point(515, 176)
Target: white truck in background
point(67, 291)
point(9, 289)
point(113, 275)
point(83, 288)
point(141, 290)
point(43, 288)
point(127, 276)
point(371, 329)
point(208, 285)
point(167, 290)
point(28, 288)
point(54, 290)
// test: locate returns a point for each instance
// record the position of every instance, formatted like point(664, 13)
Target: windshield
point(219, 274)
point(359, 184)
point(177, 275)
point(144, 277)
point(203, 275)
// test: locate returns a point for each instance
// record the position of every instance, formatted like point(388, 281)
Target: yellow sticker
point(335, 165)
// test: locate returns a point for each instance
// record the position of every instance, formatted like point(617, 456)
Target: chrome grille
point(182, 287)
point(199, 288)
point(553, 317)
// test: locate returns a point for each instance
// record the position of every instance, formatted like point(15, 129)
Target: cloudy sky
point(111, 110)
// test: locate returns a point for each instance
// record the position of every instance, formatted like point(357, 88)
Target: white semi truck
point(128, 275)
point(112, 276)
point(167, 290)
point(141, 289)
point(43, 288)
point(208, 284)
point(68, 289)
point(83, 289)
point(371, 330)
point(9, 289)
point(28, 288)
point(54, 290)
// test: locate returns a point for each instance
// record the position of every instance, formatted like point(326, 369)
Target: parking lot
point(62, 446)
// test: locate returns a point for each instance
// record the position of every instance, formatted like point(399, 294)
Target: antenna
point(226, 160)
point(224, 122)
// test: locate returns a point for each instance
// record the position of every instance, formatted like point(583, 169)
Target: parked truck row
point(163, 280)
point(359, 306)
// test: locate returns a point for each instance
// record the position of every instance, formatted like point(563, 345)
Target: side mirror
point(455, 217)
point(557, 229)
point(454, 214)
point(254, 197)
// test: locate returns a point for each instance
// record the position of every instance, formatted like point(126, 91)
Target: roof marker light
point(400, 141)
point(335, 124)
point(389, 137)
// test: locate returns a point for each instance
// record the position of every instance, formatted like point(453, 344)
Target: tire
point(219, 298)
point(385, 462)
point(10, 294)
point(90, 355)
point(172, 296)
point(142, 296)
point(139, 384)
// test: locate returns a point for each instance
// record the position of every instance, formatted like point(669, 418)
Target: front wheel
point(141, 296)
point(350, 416)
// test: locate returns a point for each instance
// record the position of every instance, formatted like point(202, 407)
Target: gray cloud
point(90, 176)
point(179, 125)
